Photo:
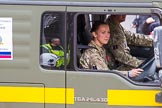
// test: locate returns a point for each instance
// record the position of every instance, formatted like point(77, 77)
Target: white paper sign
point(6, 44)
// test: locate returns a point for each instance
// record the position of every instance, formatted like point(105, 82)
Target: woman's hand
point(135, 72)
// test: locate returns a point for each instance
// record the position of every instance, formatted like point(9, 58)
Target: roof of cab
point(147, 3)
point(130, 1)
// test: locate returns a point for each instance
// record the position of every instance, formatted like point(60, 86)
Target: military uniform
point(94, 58)
point(117, 45)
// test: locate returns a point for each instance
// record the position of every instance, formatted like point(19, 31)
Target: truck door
point(98, 88)
point(20, 84)
point(52, 55)
point(27, 79)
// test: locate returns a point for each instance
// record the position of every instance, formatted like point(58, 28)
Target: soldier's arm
point(132, 72)
point(100, 64)
point(138, 39)
point(92, 60)
point(98, 61)
point(125, 58)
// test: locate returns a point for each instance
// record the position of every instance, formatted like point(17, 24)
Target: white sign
point(6, 45)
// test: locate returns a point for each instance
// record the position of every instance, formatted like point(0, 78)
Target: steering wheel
point(149, 73)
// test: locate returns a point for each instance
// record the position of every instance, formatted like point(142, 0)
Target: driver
point(95, 56)
point(118, 43)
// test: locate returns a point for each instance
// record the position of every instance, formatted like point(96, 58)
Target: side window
point(52, 40)
point(130, 44)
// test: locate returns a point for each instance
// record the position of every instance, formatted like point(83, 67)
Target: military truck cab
point(31, 79)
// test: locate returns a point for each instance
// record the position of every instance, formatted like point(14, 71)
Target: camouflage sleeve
point(120, 51)
point(90, 59)
point(138, 39)
point(126, 58)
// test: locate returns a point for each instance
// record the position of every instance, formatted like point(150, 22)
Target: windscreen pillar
point(158, 58)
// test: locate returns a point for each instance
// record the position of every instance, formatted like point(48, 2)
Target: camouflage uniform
point(94, 58)
point(117, 45)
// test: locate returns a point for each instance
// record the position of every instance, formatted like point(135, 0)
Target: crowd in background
point(145, 24)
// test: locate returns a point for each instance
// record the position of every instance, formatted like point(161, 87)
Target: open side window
point(84, 24)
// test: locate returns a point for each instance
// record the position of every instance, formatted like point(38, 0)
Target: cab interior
point(78, 36)
point(84, 24)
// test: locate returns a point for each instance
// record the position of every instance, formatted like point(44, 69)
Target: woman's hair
point(96, 25)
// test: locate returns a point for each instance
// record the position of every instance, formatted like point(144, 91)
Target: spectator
point(55, 48)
